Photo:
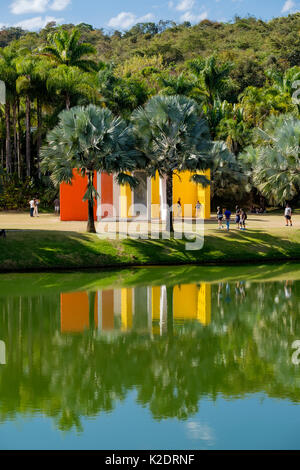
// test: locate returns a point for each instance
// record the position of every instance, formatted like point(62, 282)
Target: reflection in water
point(140, 308)
point(76, 354)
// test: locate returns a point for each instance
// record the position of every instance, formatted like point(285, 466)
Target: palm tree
point(213, 77)
point(8, 74)
point(65, 48)
point(90, 139)
point(175, 137)
point(277, 159)
point(70, 82)
point(176, 85)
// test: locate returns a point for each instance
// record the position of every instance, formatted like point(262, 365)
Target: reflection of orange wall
point(71, 205)
point(108, 310)
point(75, 312)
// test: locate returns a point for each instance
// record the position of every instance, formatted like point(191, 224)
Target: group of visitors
point(197, 208)
point(34, 207)
point(240, 218)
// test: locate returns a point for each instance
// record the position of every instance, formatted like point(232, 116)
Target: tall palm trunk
point(18, 140)
point(39, 133)
point(91, 222)
point(8, 144)
point(68, 101)
point(28, 126)
point(169, 184)
point(15, 134)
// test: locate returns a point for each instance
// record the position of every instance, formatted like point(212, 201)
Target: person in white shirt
point(31, 205)
point(288, 215)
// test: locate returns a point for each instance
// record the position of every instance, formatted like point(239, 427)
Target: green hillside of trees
point(241, 74)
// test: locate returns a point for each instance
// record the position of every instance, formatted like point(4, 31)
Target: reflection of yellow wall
point(204, 304)
point(126, 309)
point(192, 302)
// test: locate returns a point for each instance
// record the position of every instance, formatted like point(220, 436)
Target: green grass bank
point(41, 250)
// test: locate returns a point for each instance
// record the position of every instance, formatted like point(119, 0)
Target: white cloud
point(125, 20)
point(59, 5)
point(288, 6)
point(194, 18)
point(19, 7)
point(185, 5)
point(38, 22)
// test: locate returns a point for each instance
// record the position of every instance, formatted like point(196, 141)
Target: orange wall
point(72, 206)
point(107, 196)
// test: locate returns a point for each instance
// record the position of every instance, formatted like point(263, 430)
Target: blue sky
point(120, 14)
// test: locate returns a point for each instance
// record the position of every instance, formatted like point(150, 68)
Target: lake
point(151, 358)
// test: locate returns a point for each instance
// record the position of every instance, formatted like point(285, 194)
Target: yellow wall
point(126, 201)
point(183, 188)
point(155, 199)
point(190, 192)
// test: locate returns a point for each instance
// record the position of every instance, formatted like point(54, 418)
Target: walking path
point(22, 221)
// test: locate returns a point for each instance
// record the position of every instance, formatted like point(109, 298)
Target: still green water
point(158, 358)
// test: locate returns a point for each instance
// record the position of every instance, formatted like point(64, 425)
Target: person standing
point(179, 208)
point(56, 206)
point(237, 216)
point(227, 214)
point(288, 215)
point(36, 207)
point(243, 219)
point(31, 205)
point(198, 209)
point(220, 217)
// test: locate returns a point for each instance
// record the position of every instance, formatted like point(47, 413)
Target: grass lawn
point(48, 244)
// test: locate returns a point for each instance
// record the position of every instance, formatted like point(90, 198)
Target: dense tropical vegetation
point(239, 74)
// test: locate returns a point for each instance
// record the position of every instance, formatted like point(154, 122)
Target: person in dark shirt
point(237, 216)
point(227, 214)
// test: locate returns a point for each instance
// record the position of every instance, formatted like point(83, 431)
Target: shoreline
point(36, 251)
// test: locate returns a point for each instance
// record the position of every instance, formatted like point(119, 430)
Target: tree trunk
point(28, 127)
point(39, 134)
point(18, 140)
point(15, 134)
point(91, 222)
point(68, 101)
point(8, 146)
point(170, 226)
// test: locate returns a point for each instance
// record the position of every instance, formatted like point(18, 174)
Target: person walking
point(220, 217)
point(36, 207)
point(198, 209)
point(243, 219)
point(31, 205)
point(179, 208)
point(237, 216)
point(227, 214)
point(288, 216)
point(56, 206)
